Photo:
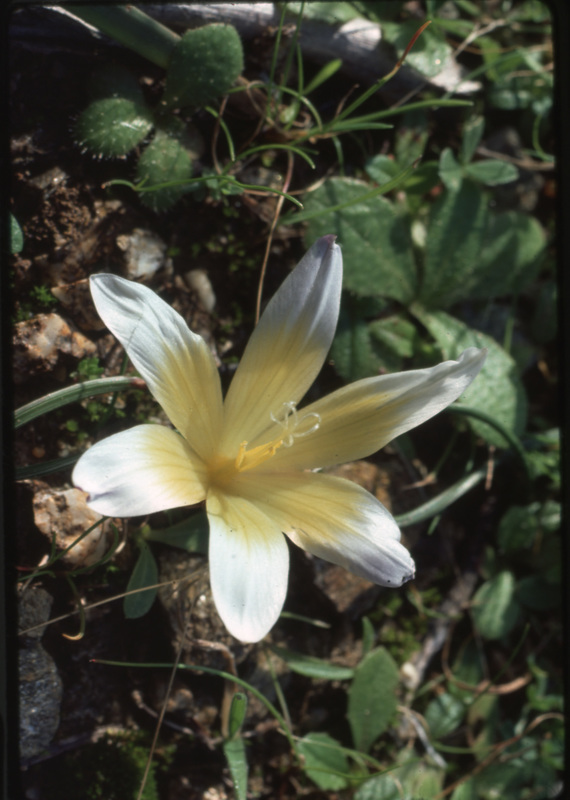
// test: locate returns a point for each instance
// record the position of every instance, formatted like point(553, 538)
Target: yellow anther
point(248, 459)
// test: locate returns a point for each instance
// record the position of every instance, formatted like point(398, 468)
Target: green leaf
point(472, 132)
point(497, 390)
point(72, 394)
point(455, 231)
point(190, 534)
point(492, 172)
point(324, 759)
point(312, 667)
point(382, 168)
point(412, 138)
point(112, 126)
point(450, 170)
point(323, 75)
point(494, 608)
point(368, 636)
point(165, 159)
point(396, 337)
point(444, 714)
point(467, 668)
point(421, 780)
point(518, 528)
point(352, 352)
point(375, 240)
point(372, 698)
point(238, 711)
point(544, 322)
point(379, 787)
point(360, 348)
point(234, 751)
point(144, 574)
point(430, 55)
point(472, 252)
point(16, 235)
point(203, 66)
point(538, 594)
point(423, 179)
point(466, 791)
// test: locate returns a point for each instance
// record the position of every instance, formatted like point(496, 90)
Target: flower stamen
point(291, 422)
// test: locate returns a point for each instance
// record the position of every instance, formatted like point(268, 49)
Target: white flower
point(248, 456)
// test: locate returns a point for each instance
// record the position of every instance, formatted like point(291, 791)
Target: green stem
point(72, 394)
point(511, 438)
point(45, 467)
point(438, 504)
point(131, 27)
point(220, 673)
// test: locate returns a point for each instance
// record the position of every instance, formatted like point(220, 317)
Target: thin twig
point(278, 208)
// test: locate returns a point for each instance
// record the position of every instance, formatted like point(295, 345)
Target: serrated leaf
point(312, 667)
point(144, 574)
point(375, 240)
point(471, 252)
point(165, 159)
point(497, 390)
point(324, 758)
point(234, 751)
point(203, 66)
point(444, 714)
point(450, 170)
point(492, 172)
point(494, 607)
point(112, 126)
point(372, 700)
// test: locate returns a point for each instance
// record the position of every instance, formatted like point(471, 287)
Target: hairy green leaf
point(497, 390)
point(375, 239)
point(324, 759)
point(372, 698)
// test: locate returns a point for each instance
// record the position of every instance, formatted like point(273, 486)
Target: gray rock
point(40, 685)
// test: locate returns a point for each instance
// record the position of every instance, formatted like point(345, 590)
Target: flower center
point(292, 427)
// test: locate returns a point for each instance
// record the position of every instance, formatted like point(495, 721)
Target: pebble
point(66, 515)
point(145, 253)
point(41, 341)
